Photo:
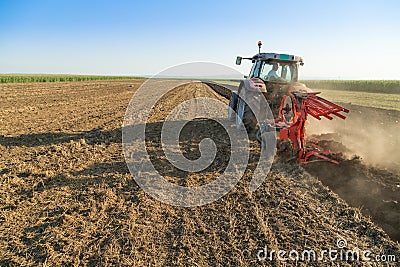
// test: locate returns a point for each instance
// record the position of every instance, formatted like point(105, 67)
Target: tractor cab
point(273, 75)
point(273, 67)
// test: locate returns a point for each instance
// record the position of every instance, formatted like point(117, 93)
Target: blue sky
point(337, 39)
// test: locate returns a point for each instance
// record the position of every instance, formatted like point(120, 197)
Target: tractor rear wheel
point(245, 117)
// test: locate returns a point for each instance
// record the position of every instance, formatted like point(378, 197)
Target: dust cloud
point(370, 133)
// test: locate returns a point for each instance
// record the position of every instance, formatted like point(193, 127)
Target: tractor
point(272, 99)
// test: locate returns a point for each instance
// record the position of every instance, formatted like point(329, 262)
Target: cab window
point(266, 68)
point(284, 73)
point(255, 70)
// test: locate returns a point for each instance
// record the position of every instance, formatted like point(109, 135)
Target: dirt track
point(67, 197)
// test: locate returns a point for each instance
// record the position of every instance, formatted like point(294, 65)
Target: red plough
point(292, 118)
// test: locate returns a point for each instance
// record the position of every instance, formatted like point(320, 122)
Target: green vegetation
point(230, 82)
point(371, 86)
point(366, 99)
point(373, 93)
point(27, 78)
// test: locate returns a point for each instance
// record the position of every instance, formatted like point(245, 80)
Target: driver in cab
point(272, 75)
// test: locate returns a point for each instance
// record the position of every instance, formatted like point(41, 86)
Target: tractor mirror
point(238, 60)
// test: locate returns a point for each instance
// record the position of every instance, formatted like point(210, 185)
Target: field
point(372, 86)
point(27, 78)
point(67, 197)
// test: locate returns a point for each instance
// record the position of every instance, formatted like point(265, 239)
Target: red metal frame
point(304, 104)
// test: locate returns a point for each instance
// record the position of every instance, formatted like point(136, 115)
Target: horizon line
point(200, 77)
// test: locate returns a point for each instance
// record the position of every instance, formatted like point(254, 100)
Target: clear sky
point(337, 39)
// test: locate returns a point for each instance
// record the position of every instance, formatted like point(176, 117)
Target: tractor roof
point(278, 57)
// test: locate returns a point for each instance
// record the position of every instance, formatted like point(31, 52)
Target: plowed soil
point(67, 197)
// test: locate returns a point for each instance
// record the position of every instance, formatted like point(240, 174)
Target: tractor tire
point(233, 104)
point(245, 117)
point(266, 136)
point(258, 136)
